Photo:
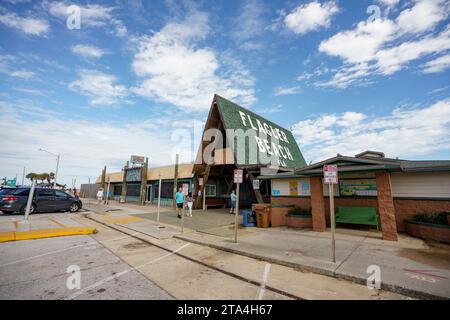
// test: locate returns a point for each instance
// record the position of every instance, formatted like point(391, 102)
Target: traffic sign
point(238, 175)
point(330, 174)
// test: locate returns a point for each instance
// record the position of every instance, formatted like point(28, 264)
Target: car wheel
point(74, 207)
point(32, 208)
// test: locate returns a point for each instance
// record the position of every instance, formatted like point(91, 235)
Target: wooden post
point(103, 179)
point(143, 192)
point(159, 196)
point(175, 183)
point(236, 214)
point(333, 225)
point(123, 195)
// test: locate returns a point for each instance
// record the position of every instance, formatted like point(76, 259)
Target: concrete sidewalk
point(14, 228)
point(410, 266)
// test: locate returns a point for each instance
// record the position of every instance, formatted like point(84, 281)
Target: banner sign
point(358, 187)
point(185, 189)
point(133, 175)
point(255, 184)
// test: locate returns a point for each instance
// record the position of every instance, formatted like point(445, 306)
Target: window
point(4, 192)
point(46, 193)
point(133, 190)
point(210, 190)
point(61, 194)
point(22, 192)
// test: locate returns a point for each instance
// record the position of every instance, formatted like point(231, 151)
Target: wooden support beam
point(258, 195)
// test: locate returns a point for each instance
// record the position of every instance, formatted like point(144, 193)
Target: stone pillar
point(386, 206)
point(317, 204)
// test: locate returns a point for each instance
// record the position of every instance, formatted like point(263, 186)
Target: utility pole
point(175, 182)
point(144, 171)
point(123, 195)
point(159, 195)
point(23, 176)
point(58, 156)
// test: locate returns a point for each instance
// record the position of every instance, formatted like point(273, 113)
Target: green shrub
point(432, 217)
point(299, 212)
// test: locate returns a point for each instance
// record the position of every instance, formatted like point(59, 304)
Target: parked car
point(44, 200)
point(6, 190)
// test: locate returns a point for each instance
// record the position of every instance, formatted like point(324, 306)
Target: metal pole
point(23, 176)
point(333, 226)
point(56, 172)
point(236, 213)
point(30, 201)
point(159, 196)
point(204, 197)
point(182, 219)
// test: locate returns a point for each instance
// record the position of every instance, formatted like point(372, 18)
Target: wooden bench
point(358, 215)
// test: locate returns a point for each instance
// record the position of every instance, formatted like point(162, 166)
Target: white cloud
point(437, 65)
point(100, 87)
point(23, 74)
point(389, 3)
point(92, 16)
point(88, 51)
point(176, 70)
point(385, 46)
point(29, 25)
point(85, 148)
point(283, 91)
point(311, 17)
point(403, 133)
point(250, 22)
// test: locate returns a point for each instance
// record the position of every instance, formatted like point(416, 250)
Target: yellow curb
point(44, 233)
point(122, 219)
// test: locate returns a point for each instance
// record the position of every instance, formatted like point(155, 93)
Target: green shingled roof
point(232, 119)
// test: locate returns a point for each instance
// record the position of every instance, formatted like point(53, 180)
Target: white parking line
point(99, 283)
point(62, 250)
point(262, 290)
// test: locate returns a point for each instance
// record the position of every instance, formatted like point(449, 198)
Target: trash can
point(248, 218)
point(262, 215)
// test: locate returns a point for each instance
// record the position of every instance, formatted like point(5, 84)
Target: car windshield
point(6, 191)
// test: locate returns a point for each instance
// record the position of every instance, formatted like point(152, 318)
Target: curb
point(44, 233)
point(388, 287)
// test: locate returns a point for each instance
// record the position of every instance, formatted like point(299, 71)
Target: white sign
point(238, 175)
point(137, 159)
point(330, 174)
point(185, 189)
point(200, 181)
point(255, 184)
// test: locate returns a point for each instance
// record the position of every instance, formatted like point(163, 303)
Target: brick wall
point(299, 222)
point(404, 208)
point(408, 208)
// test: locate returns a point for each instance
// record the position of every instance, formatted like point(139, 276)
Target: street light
point(57, 164)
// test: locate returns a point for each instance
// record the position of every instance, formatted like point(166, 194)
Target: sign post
point(159, 196)
point(238, 177)
point(330, 174)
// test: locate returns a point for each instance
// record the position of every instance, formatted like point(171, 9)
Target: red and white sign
point(330, 174)
point(238, 175)
point(185, 189)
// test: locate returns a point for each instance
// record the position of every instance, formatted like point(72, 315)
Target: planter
point(428, 231)
point(278, 215)
point(294, 221)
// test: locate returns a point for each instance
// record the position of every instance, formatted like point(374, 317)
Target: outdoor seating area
point(358, 215)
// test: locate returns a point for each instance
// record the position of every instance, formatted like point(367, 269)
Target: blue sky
point(138, 77)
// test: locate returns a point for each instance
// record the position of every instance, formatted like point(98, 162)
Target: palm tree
point(32, 176)
point(50, 176)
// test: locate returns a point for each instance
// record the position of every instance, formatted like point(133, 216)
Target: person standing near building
point(190, 203)
point(100, 196)
point(180, 202)
point(75, 193)
point(233, 202)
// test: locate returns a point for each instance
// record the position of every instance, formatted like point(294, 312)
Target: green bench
point(358, 215)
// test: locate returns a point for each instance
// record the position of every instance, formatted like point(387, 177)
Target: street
point(117, 263)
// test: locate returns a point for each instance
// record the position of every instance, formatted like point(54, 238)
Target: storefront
point(235, 137)
point(397, 189)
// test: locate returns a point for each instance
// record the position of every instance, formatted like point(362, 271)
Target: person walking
point(190, 203)
point(233, 202)
point(100, 196)
point(75, 193)
point(179, 196)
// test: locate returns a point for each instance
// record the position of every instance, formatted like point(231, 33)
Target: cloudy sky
point(138, 77)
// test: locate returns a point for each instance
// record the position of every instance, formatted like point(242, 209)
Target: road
point(120, 264)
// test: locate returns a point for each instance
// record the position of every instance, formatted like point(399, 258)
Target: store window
point(210, 190)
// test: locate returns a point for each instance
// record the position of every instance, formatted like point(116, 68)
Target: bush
point(432, 217)
point(300, 212)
